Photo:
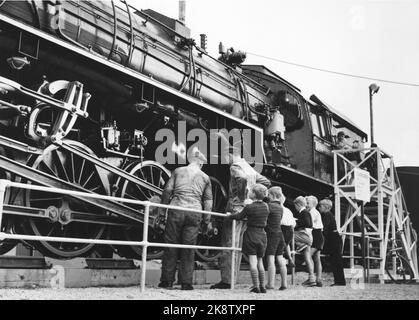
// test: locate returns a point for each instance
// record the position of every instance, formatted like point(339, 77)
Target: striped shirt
point(256, 213)
point(275, 217)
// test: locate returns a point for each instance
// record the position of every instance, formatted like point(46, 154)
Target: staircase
point(385, 216)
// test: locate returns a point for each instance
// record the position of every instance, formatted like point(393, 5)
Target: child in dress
point(254, 238)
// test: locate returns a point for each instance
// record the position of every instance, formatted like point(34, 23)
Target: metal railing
point(4, 184)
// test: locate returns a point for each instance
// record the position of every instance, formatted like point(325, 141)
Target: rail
point(4, 184)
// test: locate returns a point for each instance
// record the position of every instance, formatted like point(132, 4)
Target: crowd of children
point(271, 228)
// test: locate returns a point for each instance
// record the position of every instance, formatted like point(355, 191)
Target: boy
point(287, 227)
point(303, 237)
point(276, 242)
point(254, 238)
point(318, 239)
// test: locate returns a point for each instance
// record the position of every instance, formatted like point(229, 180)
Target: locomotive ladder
point(385, 217)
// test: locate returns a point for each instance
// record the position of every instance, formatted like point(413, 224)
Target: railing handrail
point(144, 244)
point(8, 183)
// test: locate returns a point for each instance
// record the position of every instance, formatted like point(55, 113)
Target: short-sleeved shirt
point(191, 187)
point(316, 218)
point(287, 218)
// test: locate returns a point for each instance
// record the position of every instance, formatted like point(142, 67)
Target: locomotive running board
point(47, 180)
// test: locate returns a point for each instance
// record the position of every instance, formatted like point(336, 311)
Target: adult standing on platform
point(190, 188)
point(333, 242)
point(242, 178)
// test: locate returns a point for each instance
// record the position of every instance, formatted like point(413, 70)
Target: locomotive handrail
point(144, 243)
point(115, 29)
point(131, 40)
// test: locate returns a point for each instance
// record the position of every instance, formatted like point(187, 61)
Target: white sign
point(362, 185)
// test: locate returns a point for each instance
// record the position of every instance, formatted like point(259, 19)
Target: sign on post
point(362, 185)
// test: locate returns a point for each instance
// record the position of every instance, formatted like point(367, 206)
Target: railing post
point(145, 246)
point(293, 259)
point(3, 186)
point(233, 255)
point(336, 189)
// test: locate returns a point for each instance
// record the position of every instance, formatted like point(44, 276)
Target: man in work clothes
point(242, 178)
point(190, 188)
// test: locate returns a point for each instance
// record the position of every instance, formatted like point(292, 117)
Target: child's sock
point(255, 278)
point(262, 278)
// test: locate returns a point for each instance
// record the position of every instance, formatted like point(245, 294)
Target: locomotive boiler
point(86, 85)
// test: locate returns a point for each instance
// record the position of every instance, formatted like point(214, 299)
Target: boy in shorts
point(303, 238)
point(287, 227)
point(318, 239)
point(276, 242)
point(254, 238)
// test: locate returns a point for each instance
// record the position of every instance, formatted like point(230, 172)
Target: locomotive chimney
point(182, 11)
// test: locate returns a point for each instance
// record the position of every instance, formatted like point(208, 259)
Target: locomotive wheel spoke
point(151, 175)
point(52, 230)
point(88, 180)
point(60, 166)
point(73, 176)
point(49, 169)
point(141, 190)
point(81, 172)
point(144, 178)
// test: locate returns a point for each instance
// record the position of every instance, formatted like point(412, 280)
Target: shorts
point(302, 238)
point(288, 233)
point(276, 244)
point(254, 242)
point(318, 239)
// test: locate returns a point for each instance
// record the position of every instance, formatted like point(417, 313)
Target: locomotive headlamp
point(18, 63)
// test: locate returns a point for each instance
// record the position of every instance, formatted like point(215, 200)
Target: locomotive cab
point(326, 124)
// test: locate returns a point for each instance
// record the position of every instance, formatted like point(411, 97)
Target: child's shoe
point(255, 290)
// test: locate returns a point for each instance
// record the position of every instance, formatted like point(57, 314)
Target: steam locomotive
point(84, 88)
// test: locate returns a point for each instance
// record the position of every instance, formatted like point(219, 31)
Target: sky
point(371, 38)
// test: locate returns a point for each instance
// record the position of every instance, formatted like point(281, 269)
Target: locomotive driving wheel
point(76, 170)
point(156, 174)
point(213, 237)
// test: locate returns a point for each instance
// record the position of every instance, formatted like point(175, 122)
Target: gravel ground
point(370, 292)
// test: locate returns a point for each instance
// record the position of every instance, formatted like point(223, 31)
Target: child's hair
point(301, 201)
point(327, 203)
point(313, 200)
point(276, 193)
point(260, 191)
